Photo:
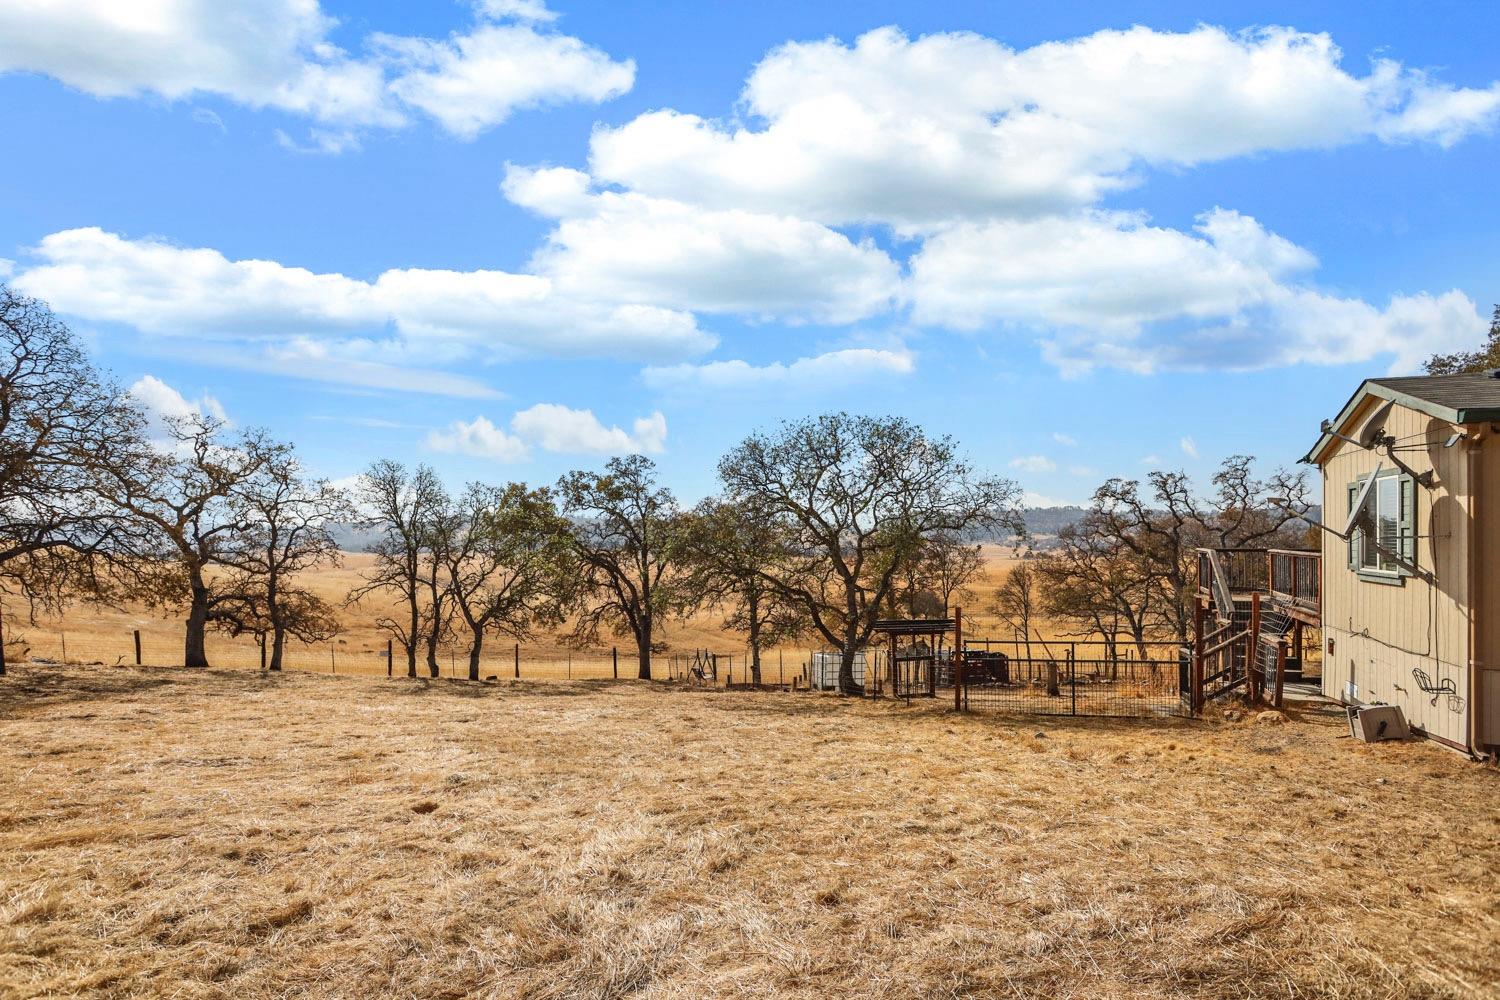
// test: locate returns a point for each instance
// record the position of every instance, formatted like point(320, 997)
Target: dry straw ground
point(222, 833)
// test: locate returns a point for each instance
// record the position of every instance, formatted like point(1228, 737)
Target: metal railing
point(1296, 576)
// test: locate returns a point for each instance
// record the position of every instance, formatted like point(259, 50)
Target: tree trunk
point(193, 653)
point(643, 650)
point(412, 636)
point(474, 651)
point(436, 599)
point(278, 645)
point(753, 605)
point(847, 684)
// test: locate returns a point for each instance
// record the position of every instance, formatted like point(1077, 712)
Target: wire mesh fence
point(164, 646)
point(1075, 678)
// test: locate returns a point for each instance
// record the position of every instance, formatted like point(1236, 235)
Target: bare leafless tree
point(181, 490)
point(1163, 524)
point(1018, 601)
point(288, 521)
point(60, 419)
point(399, 505)
point(940, 576)
point(1097, 585)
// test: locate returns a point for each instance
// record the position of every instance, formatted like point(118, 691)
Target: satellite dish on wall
point(1357, 508)
point(1374, 428)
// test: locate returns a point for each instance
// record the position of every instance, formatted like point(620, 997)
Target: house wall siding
point(1487, 712)
point(1383, 633)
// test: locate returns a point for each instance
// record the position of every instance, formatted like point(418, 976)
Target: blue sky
point(509, 239)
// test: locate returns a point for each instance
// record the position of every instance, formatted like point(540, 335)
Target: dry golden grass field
point(222, 833)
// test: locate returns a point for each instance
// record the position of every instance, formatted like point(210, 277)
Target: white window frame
point(1382, 568)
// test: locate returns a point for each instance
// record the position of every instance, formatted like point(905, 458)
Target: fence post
point(1195, 695)
point(518, 661)
point(1073, 677)
point(614, 655)
point(332, 663)
point(958, 659)
point(2, 646)
point(137, 648)
point(262, 650)
point(64, 646)
point(389, 662)
point(1280, 670)
point(1254, 676)
point(780, 668)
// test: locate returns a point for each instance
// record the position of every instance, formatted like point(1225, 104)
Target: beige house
point(1411, 597)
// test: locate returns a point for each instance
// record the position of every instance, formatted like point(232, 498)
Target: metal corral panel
point(823, 671)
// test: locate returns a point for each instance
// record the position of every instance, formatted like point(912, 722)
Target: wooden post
point(615, 661)
point(781, 667)
point(389, 661)
point(892, 667)
point(1073, 677)
point(137, 648)
point(958, 659)
point(1195, 696)
point(333, 665)
point(1254, 678)
point(518, 661)
point(64, 646)
point(1280, 670)
point(570, 666)
point(262, 650)
point(2, 644)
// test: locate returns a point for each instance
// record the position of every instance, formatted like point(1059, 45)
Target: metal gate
point(1145, 680)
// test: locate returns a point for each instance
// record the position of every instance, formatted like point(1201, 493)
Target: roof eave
point(1370, 387)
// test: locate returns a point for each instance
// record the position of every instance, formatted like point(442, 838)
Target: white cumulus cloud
point(551, 427)
point(402, 316)
point(834, 368)
point(631, 248)
point(278, 54)
point(162, 404)
point(957, 126)
point(1107, 288)
point(562, 429)
point(479, 438)
point(472, 82)
point(1033, 463)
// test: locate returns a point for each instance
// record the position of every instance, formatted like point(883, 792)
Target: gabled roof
point(1458, 399)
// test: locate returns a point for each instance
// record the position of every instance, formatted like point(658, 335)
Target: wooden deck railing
point(1291, 575)
point(1296, 577)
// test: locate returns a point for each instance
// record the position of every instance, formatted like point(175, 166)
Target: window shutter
point(1353, 542)
point(1408, 522)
